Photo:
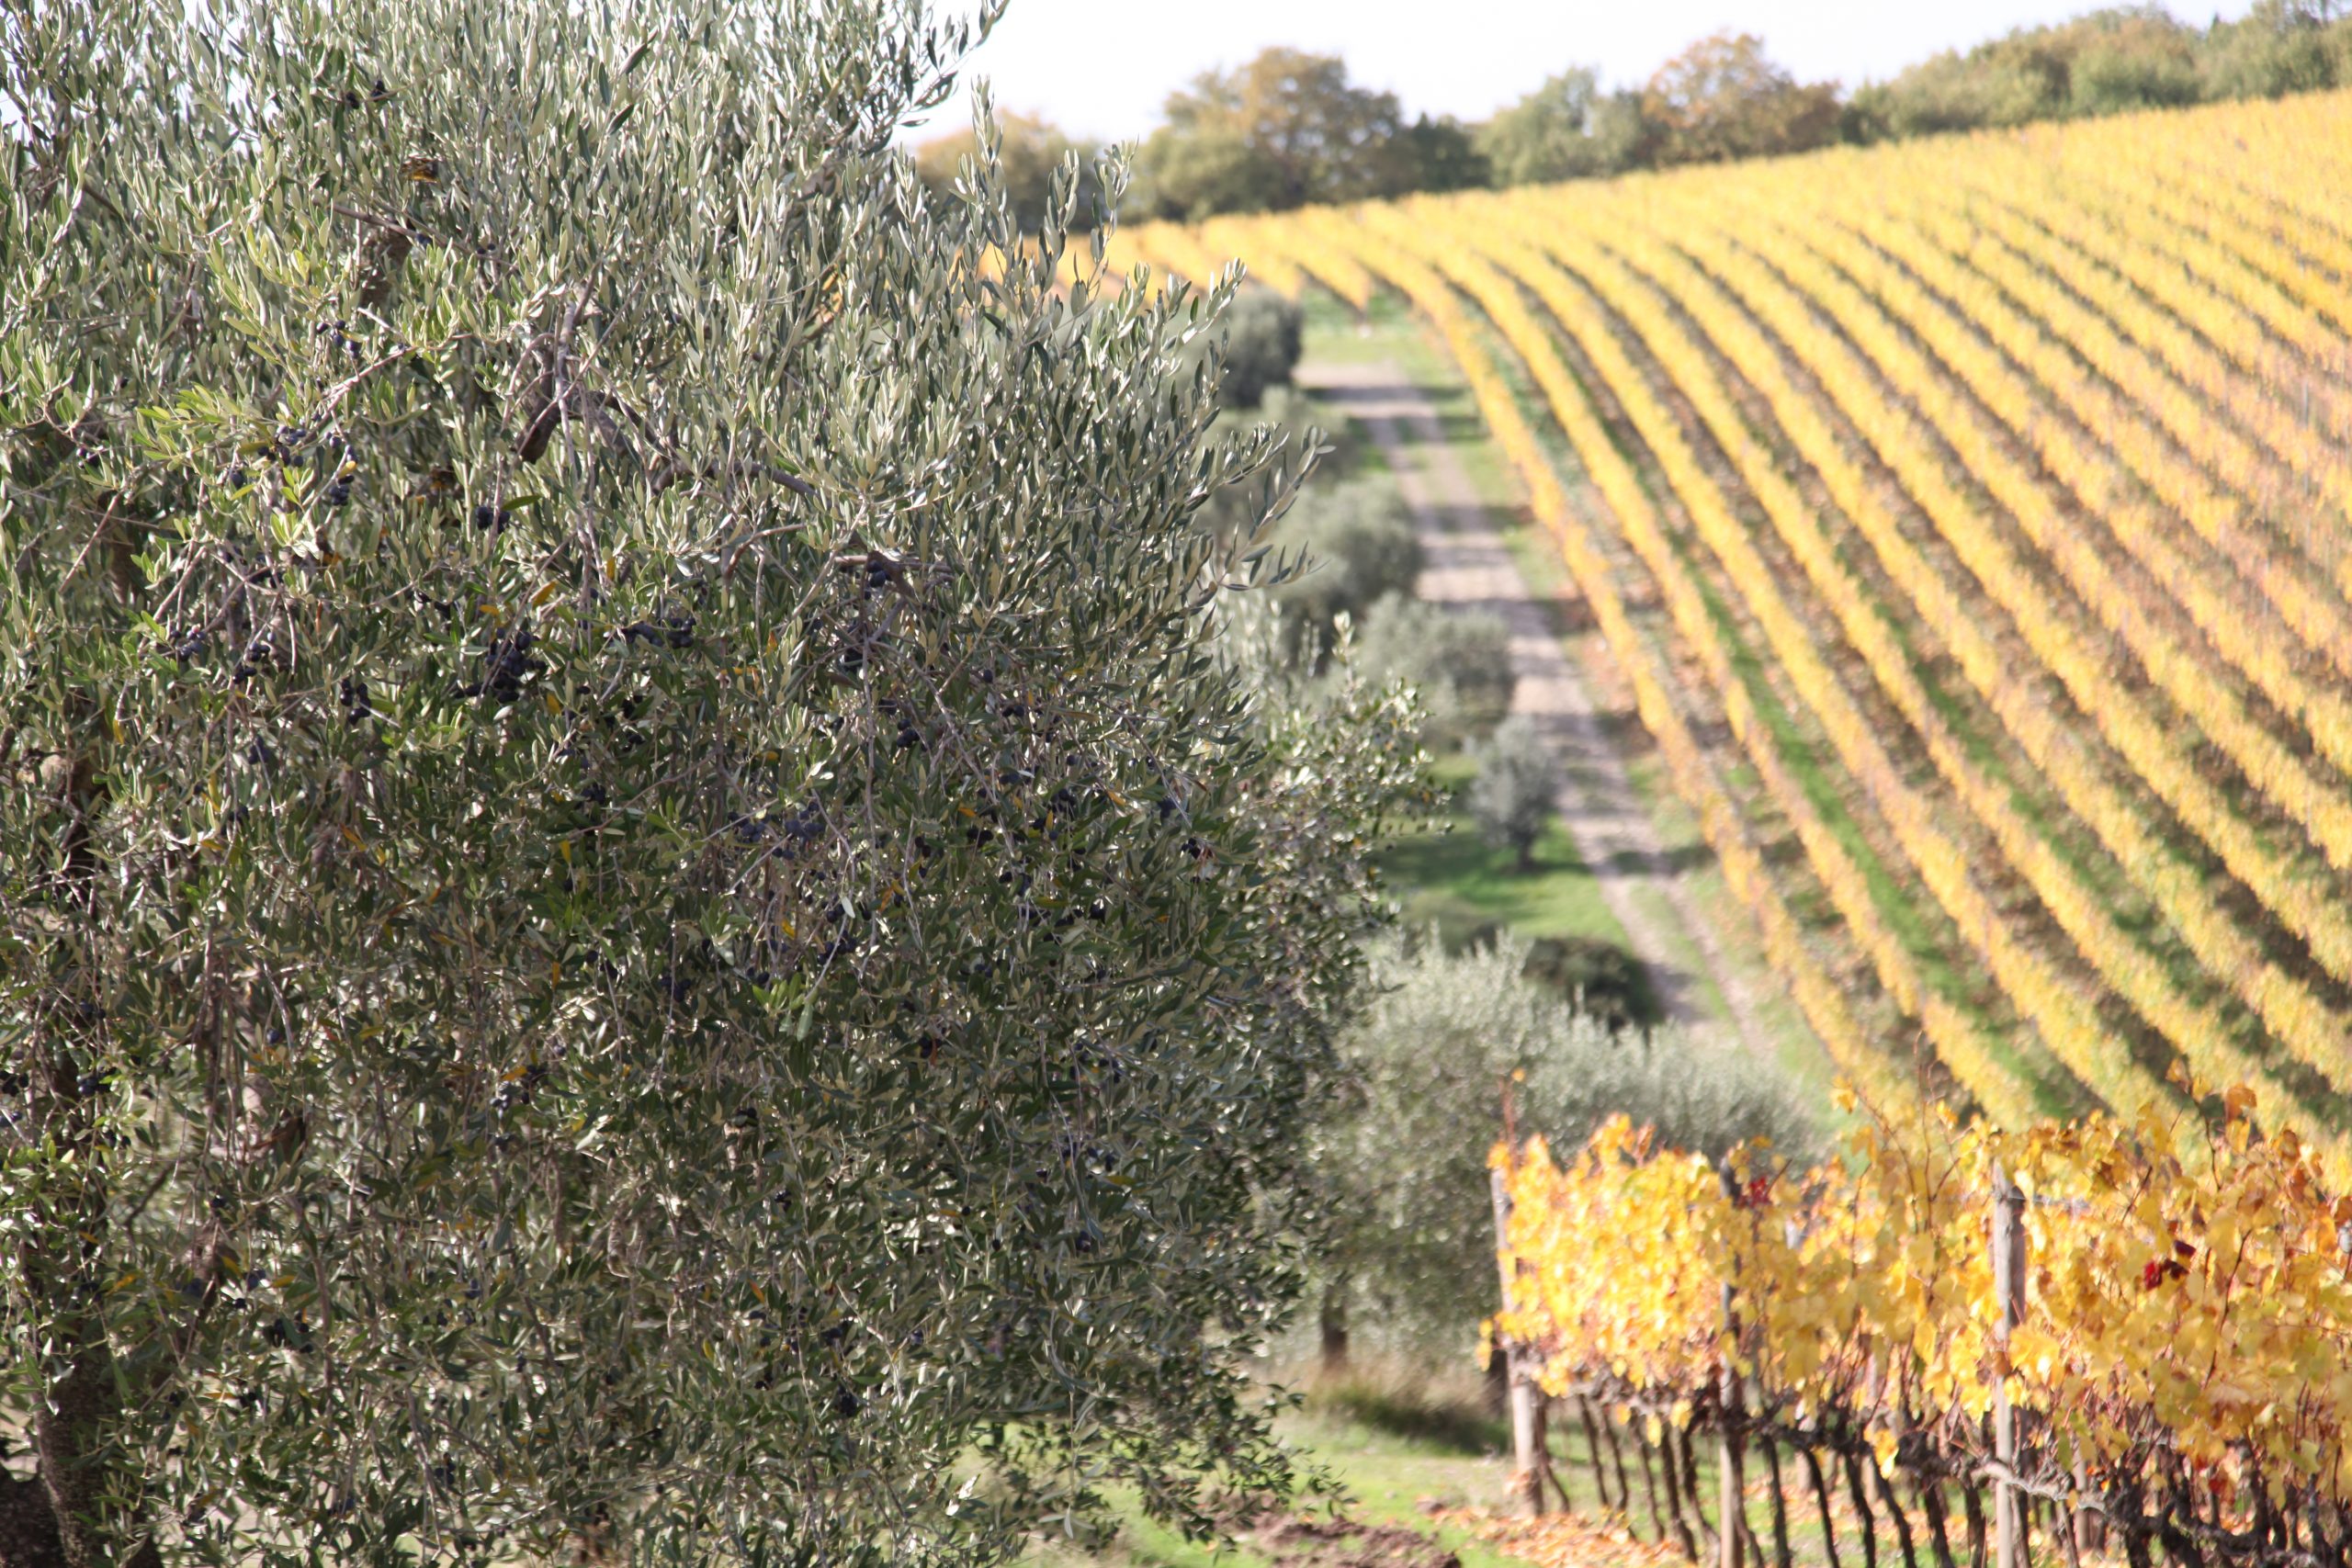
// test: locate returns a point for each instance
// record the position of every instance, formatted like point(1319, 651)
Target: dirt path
point(1468, 565)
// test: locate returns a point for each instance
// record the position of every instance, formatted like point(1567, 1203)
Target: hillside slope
point(1970, 518)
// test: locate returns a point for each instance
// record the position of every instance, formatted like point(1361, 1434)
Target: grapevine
point(2033, 447)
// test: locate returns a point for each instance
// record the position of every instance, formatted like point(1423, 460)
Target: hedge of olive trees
point(636, 914)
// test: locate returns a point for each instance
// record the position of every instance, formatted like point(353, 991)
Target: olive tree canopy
point(1430, 1055)
point(634, 903)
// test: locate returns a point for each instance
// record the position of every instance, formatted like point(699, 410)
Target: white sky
point(1101, 68)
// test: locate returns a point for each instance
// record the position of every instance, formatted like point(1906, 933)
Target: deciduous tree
point(1436, 153)
point(1722, 97)
point(1546, 135)
point(1284, 130)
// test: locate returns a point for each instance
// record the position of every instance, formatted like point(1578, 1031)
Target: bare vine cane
point(1928, 1481)
point(2090, 1531)
point(1782, 1554)
point(1866, 1519)
point(1811, 1455)
point(1886, 1495)
point(1682, 1445)
point(1592, 1451)
point(1649, 1480)
point(1617, 1463)
point(1683, 1534)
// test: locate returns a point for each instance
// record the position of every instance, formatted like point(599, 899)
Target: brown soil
point(1292, 1541)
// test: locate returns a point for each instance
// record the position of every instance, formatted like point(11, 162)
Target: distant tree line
point(1289, 129)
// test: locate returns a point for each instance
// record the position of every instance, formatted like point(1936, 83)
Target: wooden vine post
point(1529, 1460)
point(2008, 1285)
point(1731, 1479)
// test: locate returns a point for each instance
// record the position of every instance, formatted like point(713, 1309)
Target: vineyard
point(2174, 1374)
point(1967, 519)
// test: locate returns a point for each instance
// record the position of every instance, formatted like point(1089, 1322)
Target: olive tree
point(1516, 792)
point(1261, 340)
point(1409, 1258)
point(1458, 660)
point(1358, 539)
point(637, 908)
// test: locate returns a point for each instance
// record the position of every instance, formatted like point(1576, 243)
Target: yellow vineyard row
point(2198, 1030)
point(1817, 991)
point(2288, 1006)
point(1973, 1059)
point(2163, 432)
point(2066, 1018)
point(1929, 436)
point(2186, 1303)
point(2210, 343)
point(2156, 751)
